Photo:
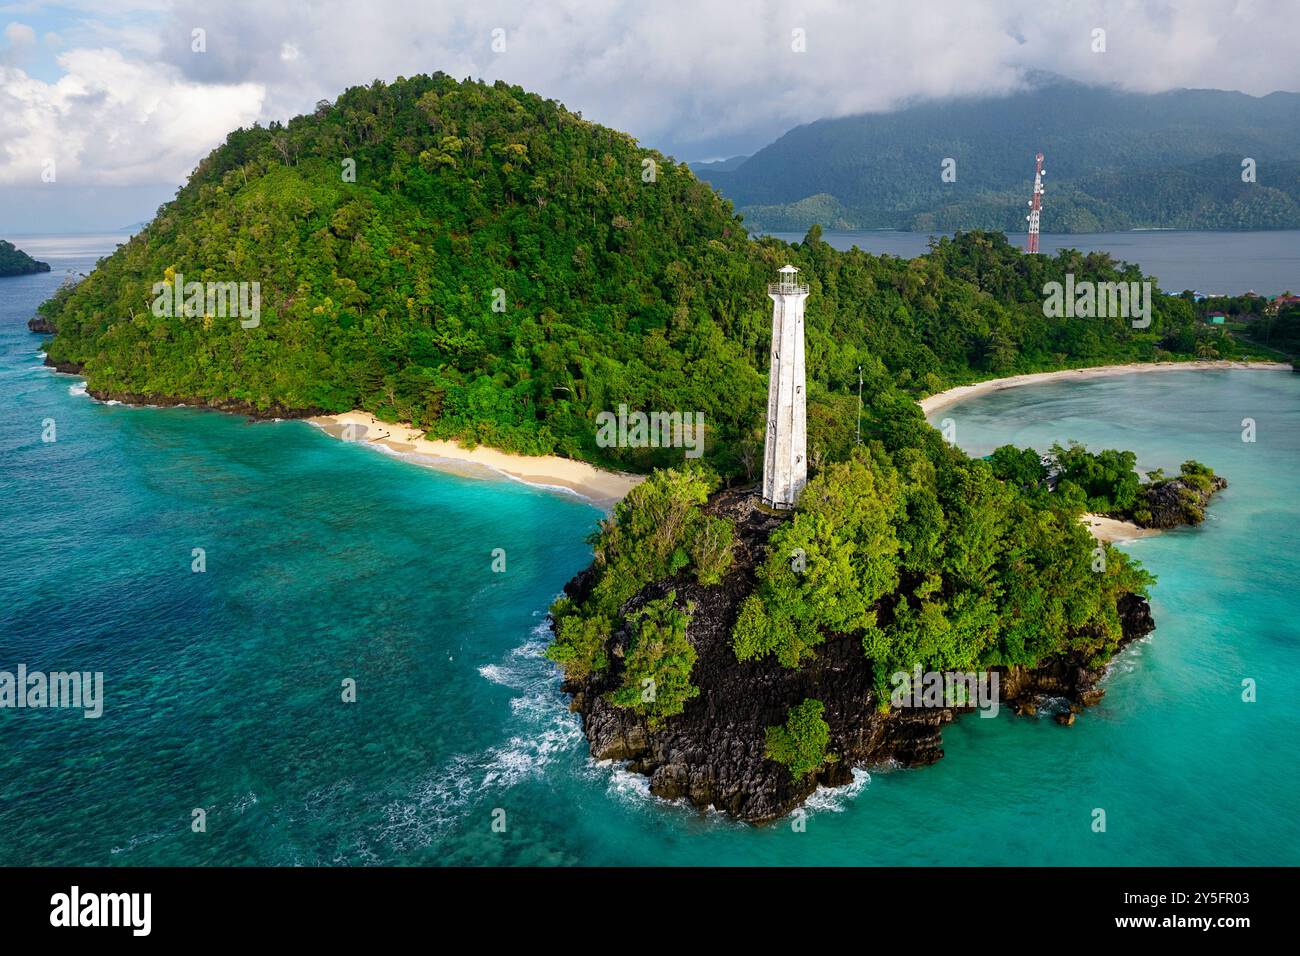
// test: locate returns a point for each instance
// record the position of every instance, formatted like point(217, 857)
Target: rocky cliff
point(712, 754)
point(1180, 501)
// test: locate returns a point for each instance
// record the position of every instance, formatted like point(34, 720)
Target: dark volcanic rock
point(231, 405)
point(39, 323)
point(1177, 503)
point(712, 754)
point(70, 368)
point(1068, 676)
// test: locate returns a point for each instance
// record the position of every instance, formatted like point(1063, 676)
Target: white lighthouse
point(785, 450)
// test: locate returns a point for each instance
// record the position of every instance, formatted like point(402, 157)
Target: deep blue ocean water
point(1226, 263)
point(328, 561)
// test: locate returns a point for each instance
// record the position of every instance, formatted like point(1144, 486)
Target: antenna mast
point(1035, 206)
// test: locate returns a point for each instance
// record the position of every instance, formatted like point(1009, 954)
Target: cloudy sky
point(115, 96)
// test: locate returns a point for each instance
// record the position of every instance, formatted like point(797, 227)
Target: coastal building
point(785, 447)
point(1284, 301)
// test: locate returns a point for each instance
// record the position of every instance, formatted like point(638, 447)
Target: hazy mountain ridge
point(1115, 161)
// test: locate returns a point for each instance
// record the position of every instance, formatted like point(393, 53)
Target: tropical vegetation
point(15, 262)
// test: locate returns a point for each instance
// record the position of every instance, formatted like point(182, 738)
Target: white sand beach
point(960, 393)
point(603, 488)
point(1112, 530)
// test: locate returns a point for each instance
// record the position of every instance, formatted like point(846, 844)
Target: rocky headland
point(713, 753)
point(247, 409)
point(1178, 501)
point(15, 262)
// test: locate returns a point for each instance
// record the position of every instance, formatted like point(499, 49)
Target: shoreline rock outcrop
point(231, 405)
point(1180, 501)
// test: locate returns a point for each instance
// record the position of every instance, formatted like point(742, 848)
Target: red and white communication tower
point(1035, 205)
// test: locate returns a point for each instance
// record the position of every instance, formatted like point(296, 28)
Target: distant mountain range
point(1115, 161)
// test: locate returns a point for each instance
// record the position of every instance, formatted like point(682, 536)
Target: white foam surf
point(837, 799)
point(545, 730)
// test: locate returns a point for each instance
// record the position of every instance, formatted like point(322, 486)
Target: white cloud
point(19, 42)
point(696, 77)
point(687, 72)
point(20, 34)
point(109, 120)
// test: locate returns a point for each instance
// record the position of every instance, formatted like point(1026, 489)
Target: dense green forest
point(1115, 161)
point(15, 262)
point(1280, 331)
point(1107, 483)
point(501, 270)
point(907, 546)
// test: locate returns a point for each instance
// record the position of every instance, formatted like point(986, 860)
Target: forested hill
point(15, 262)
point(501, 270)
point(1115, 161)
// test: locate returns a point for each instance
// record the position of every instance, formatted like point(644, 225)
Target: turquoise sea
point(327, 561)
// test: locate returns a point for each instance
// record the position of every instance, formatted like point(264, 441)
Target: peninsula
point(15, 262)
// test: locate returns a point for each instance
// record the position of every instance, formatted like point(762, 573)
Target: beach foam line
point(837, 799)
point(541, 730)
point(460, 466)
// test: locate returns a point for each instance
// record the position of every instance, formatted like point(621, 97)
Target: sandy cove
point(1108, 530)
point(963, 392)
point(603, 488)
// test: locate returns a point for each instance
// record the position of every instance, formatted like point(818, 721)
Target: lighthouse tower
point(785, 451)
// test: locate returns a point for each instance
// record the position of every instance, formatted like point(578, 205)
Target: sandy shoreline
point(603, 488)
point(962, 392)
point(1112, 530)
point(1108, 530)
